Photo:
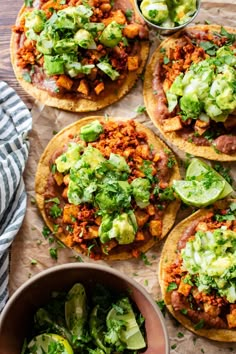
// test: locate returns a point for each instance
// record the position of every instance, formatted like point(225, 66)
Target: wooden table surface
point(8, 13)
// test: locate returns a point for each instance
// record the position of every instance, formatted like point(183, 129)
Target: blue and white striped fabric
point(15, 123)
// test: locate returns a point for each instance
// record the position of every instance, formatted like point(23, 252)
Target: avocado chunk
point(107, 69)
point(141, 191)
point(84, 39)
point(35, 20)
point(111, 35)
point(53, 65)
point(90, 132)
point(122, 230)
point(67, 160)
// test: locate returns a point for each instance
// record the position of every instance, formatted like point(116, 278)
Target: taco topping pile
point(194, 83)
point(202, 279)
point(78, 48)
point(108, 189)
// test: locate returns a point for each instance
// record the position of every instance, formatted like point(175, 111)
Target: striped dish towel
point(15, 123)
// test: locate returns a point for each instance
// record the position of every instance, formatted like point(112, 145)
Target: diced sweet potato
point(58, 178)
point(156, 157)
point(133, 63)
point(70, 213)
point(98, 220)
point(117, 16)
point(64, 81)
point(155, 228)
point(139, 236)
point(151, 209)
point(172, 124)
point(143, 151)
point(202, 226)
point(83, 87)
point(184, 288)
point(231, 319)
point(99, 88)
point(65, 193)
point(131, 30)
point(200, 126)
point(141, 217)
point(66, 179)
point(212, 310)
point(92, 232)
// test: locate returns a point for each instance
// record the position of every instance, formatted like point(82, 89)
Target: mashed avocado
point(211, 259)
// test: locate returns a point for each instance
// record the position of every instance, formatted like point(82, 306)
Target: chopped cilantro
point(77, 259)
point(146, 282)
point(33, 261)
point(224, 172)
point(53, 253)
point(209, 47)
point(53, 168)
point(230, 36)
point(140, 109)
point(207, 22)
point(171, 286)
point(202, 350)
point(54, 132)
point(129, 14)
point(89, 249)
point(199, 325)
point(173, 346)
point(32, 200)
point(162, 306)
point(167, 194)
point(184, 311)
point(55, 228)
point(145, 259)
point(125, 41)
point(55, 211)
point(46, 232)
point(180, 335)
point(163, 50)
point(54, 200)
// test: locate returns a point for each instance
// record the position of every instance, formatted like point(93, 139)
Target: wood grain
point(8, 13)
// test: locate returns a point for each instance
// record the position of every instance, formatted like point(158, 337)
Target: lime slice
point(76, 310)
point(132, 335)
point(49, 343)
point(198, 168)
point(197, 193)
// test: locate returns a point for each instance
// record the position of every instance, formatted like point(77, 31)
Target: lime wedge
point(131, 335)
point(197, 193)
point(76, 310)
point(49, 343)
point(198, 168)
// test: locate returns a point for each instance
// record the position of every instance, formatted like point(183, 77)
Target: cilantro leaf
point(26, 76)
point(230, 36)
point(209, 47)
point(199, 325)
point(172, 286)
point(53, 253)
point(140, 109)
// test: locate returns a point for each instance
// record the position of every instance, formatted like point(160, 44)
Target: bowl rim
point(177, 28)
point(99, 267)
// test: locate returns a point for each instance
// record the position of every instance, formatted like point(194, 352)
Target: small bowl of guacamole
point(168, 16)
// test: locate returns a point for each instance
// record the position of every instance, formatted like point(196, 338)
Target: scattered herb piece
point(33, 261)
point(162, 306)
point(32, 200)
point(89, 249)
point(180, 335)
point(39, 242)
point(224, 172)
point(172, 286)
point(53, 253)
point(184, 311)
point(140, 109)
point(46, 232)
point(54, 132)
point(209, 47)
point(53, 200)
point(145, 259)
point(129, 14)
point(55, 211)
point(173, 346)
point(54, 168)
point(77, 259)
point(202, 350)
point(200, 324)
point(230, 36)
point(146, 282)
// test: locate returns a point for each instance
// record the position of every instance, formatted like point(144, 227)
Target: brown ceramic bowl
point(16, 318)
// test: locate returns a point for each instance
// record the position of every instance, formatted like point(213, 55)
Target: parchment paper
point(30, 244)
